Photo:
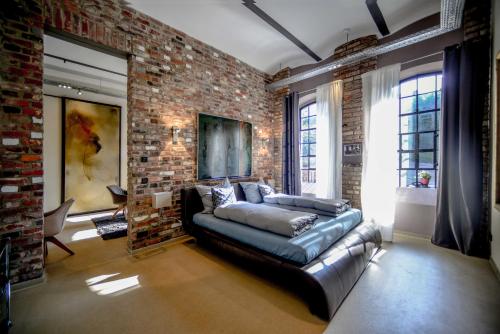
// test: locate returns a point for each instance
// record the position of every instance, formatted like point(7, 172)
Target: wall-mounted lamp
point(175, 134)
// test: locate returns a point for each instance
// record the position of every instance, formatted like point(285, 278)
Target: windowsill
point(420, 196)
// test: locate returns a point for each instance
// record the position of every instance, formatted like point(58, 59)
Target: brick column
point(21, 127)
point(352, 114)
point(277, 126)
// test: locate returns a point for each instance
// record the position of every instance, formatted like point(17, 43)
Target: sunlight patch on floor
point(85, 234)
point(87, 217)
point(379, 254)
point(116, 287)
point(99, 278)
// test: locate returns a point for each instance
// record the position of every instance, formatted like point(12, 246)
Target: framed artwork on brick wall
point(224, 147)
point(91, 154)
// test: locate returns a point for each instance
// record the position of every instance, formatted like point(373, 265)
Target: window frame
point(309, 156)
point(416, 149)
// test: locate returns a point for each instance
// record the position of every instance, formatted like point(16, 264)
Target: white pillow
point(265, 190)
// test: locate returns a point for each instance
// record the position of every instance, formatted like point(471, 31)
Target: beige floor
point(411, 287)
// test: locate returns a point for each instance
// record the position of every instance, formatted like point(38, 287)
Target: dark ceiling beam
point(250, 4)
point(377, 16)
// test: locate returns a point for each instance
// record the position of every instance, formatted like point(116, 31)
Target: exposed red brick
point(32, 157)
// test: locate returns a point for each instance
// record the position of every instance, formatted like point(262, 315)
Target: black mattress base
point(323, 283)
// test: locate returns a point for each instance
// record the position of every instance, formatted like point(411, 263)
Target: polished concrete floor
point(411, 287)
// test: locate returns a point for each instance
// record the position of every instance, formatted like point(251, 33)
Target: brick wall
point(21, 170)
point(277, 125)
point(172, 77)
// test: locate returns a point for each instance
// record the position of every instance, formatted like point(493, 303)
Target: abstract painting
point(224, 147)
point(91, 153)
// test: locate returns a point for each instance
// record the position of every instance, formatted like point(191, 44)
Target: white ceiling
point(231, 27)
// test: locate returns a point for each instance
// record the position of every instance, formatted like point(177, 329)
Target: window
point(308, 147)
point(419, 111)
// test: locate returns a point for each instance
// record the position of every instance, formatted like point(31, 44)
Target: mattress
point(301, 249)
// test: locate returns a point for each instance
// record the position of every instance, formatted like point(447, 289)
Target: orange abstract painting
point(91, 153)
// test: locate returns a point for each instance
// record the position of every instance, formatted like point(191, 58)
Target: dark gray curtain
point(460, 219)
point(291, 138)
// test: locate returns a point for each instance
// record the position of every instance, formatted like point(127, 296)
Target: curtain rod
point(305, 92)
point(423, 57)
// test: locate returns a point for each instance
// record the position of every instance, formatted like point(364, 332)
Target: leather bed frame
point(323, 283)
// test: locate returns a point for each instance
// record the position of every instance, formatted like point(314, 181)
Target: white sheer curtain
point(329, 140)
point(380, 147)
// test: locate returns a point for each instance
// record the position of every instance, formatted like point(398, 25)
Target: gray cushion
point(206, 198)
point(223, 196)
point(252, 193)
point(334, 207)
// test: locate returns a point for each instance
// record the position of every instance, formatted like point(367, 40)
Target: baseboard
point(413, 235)
point(174, 241)
point(495, 268)
point(29, 284)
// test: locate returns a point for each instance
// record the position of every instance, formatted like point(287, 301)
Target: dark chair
point(53, 224)
point(119, 196)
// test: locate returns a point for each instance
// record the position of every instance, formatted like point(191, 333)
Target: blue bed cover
point(301, 249)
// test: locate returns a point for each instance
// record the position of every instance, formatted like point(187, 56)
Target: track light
point(66, 86)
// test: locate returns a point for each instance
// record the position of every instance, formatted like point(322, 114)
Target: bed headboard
point(191, 203)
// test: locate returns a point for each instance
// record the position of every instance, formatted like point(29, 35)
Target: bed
point(320, 272)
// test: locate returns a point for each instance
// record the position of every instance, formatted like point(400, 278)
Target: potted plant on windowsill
point(424, 179)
